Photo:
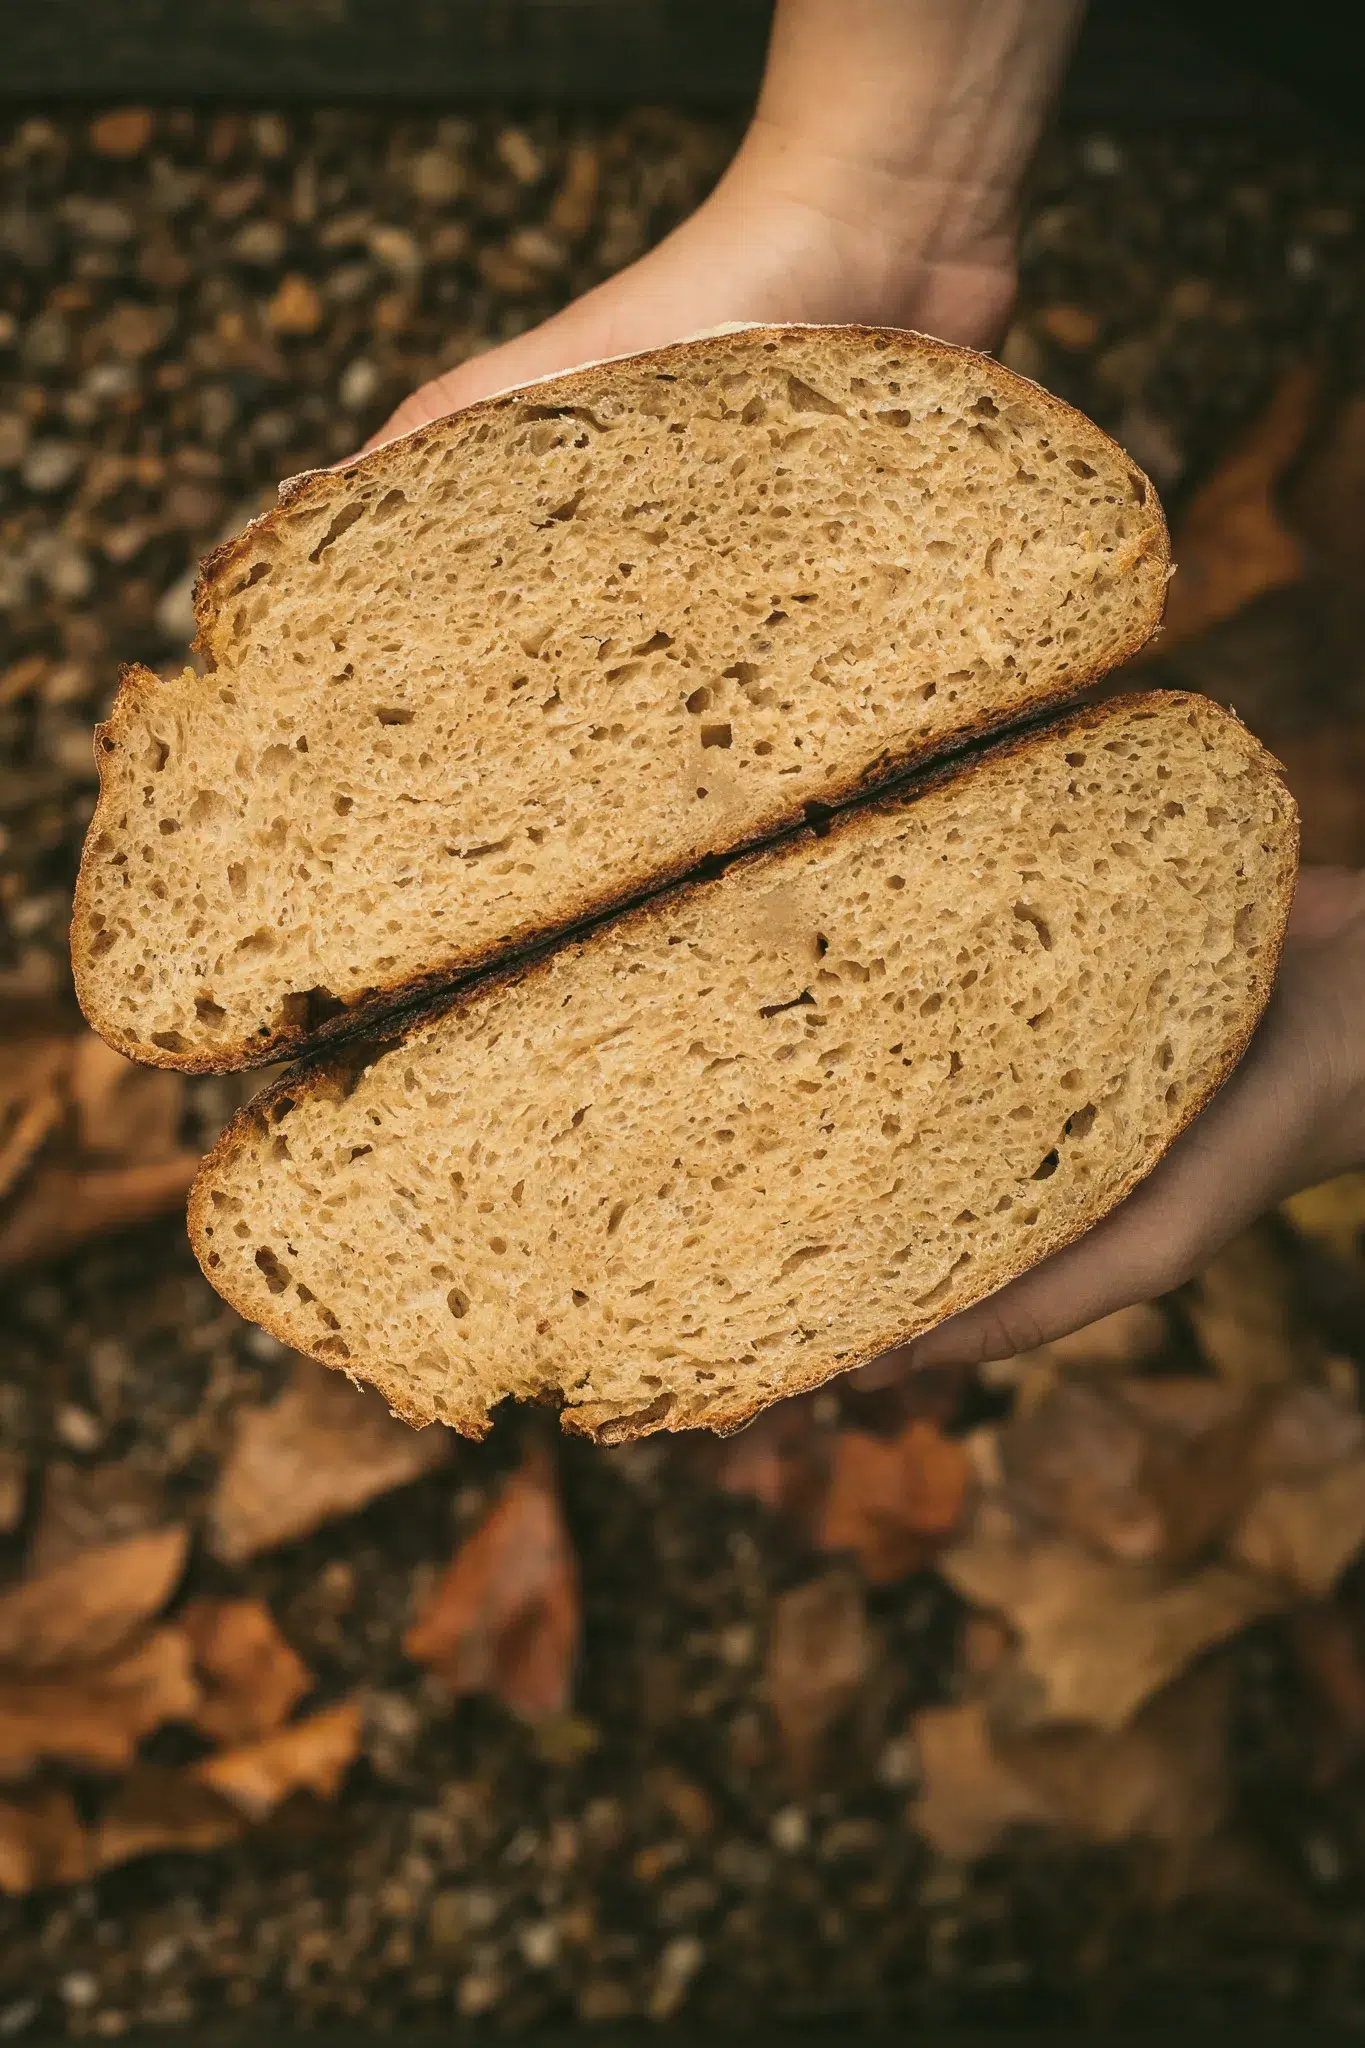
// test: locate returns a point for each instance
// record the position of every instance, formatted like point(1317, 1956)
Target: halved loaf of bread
point(533, 659)
point(766, 1126)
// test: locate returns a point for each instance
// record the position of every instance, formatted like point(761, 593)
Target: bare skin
point(879, 181)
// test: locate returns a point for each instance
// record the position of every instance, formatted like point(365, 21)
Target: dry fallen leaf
point(504, 1619)
point(969, 1799)
point(1162, 1777)
point(42, 1842)
point(85, 1507)
point(32, 1102)
point(158, 1809)
point(1097, 1638)
point(1300, 1534)
point(96, 1714)
point(1127, 1338)
point(1232, 544)
point(251, 1678)
point(82, 1611)
point(312, 1755)
point(819, 1653)
point(1332, 1215)
point(323, 1449)
point(893, 1502)
point(1242, 1308)
point(88, 1141)
point(61, 1206)
point(781, 1460)
point(1125, 1527)
point(1328, 1650)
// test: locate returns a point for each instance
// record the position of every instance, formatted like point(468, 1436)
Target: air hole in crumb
point(208, 1012)
point(276, 1275)
point(305, 1009)
point(698, 701)
point(578, 1297)
point(457, 1301)
point(390, 503)
point(169, 1041)
point(344, 521)
point(1079, 468)
point(342, 805)
point(1026, 914)
point(717, 735)
point(1046, 1167)
point(617, 1211)
point(1080, 1122)
point(803, 397)
point(796, 1003)
point(393, 714)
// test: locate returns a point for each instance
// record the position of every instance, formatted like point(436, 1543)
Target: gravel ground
point(190, 307)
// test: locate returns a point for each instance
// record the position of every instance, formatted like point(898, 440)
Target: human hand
point(877, 183)
point(1291, 1115)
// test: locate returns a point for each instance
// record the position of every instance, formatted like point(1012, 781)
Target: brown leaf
point(88, 1141)
point(893, 1502)
point(61, 1206)
point(32, 1101)
point(1327, 500)
point(1074, 1462)
point(1163, 1777)
point(323, 1449)
point(312, 1755)
point(251, 1678)
point(83, 1611)
point(1327, 1648)
point(1242, 1307)
point(781, 1460)
point(158, 1809)
point(1325, 770)
point(42, 1842)
point(819, 1653)
point(505, 1617)
point(1332, 1215)
point(1300, 1534)
point(1232, 544)
point(96, 1714)
point(1097, 1638)
point(85, 1507)
point(123, 1112)
point(970, 1798)
point(1129, 1337)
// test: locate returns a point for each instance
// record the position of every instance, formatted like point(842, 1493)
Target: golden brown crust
point(601, 1421)
point(312, 489)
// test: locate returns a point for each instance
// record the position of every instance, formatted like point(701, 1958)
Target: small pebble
point(296, 307)
point(123, 133)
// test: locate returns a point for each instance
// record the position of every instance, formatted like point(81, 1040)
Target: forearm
point(929, 108)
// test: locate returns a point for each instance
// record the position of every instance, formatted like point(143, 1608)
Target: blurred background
point(1042, 1701)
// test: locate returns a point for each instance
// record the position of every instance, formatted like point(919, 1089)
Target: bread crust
point(602, 1422)
point(315, 487)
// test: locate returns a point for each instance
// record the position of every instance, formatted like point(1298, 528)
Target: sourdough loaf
point(531, 660)
point(766, 1126)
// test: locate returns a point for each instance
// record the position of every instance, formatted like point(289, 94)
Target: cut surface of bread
point(539, 656)
point(761, 1129)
